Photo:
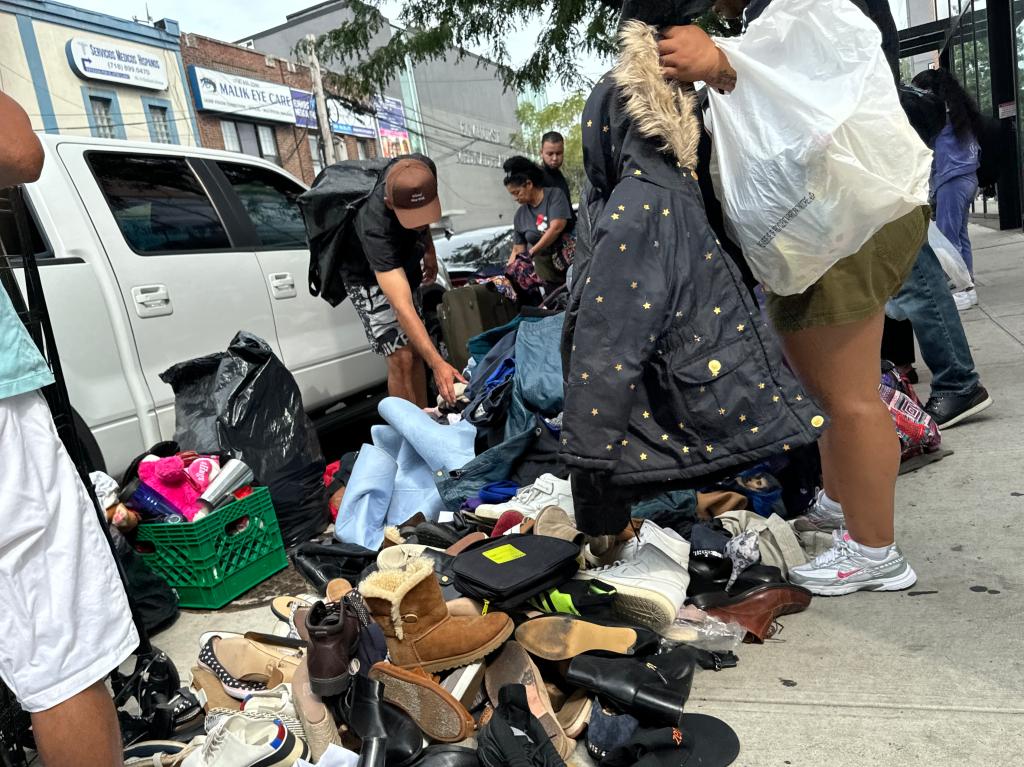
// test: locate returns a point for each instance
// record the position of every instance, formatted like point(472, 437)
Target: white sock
point(829, 505)
point(870, 552)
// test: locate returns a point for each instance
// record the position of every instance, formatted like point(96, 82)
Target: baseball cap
point(411, 189)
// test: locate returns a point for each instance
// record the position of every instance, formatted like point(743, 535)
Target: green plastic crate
point(212, 561)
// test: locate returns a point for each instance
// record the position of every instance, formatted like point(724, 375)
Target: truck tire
point(93, 454)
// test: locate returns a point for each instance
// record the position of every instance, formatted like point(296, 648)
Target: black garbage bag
point(154, 601)
point(245, 402)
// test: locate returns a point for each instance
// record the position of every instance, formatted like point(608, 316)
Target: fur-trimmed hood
point(635, 117)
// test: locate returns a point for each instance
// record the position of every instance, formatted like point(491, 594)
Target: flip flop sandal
point(515, 666)
point(284, 607)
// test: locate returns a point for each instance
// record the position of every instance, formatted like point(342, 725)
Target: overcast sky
point(235, 19)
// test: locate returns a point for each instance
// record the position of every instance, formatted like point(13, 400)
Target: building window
point(161, 126)
point(340, 148)
point(361, 148)
point(268, 144)
point(250, 138)
point(230, 132)
point(314, 151)
point(103, 120)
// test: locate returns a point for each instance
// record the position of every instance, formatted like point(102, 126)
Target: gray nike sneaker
point(819, 519)
point(842, 570)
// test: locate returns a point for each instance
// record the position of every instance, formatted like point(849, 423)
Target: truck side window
point(269, 199)
point(158, 203)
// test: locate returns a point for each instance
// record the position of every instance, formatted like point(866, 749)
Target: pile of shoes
point(505, 636)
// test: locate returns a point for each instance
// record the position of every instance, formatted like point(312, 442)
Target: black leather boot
point(653, 689)
point(389, 737)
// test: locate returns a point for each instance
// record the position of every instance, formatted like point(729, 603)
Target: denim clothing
point(954, 157)
point(926, 301)
point(394, 478)
point(538, 381)
point(494, 465)
point(952, 207)
point(503, 349)
point(22, 367)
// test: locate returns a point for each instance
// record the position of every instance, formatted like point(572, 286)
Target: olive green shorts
point(858, 286)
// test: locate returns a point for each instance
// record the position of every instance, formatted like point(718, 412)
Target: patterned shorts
point(379, 319)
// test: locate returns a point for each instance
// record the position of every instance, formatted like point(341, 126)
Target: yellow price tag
point(503, 554)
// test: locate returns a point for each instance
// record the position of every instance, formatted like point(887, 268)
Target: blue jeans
point(925, 300)
point(952, 208)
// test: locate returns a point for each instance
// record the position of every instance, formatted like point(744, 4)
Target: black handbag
point(505, 572)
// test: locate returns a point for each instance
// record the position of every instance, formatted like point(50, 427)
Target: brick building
point(249, 102)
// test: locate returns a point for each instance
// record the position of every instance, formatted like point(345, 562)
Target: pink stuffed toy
point(180, 486)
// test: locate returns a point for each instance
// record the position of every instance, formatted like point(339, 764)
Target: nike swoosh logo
point(843, 576)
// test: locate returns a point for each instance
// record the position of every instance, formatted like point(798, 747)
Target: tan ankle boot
point(408, 606)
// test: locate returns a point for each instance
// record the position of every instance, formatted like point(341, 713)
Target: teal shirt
point(22, 367)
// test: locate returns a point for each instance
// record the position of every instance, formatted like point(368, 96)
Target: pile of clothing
point(502, 636)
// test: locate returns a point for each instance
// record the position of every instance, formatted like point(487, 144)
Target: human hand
point(445, 377)
point(429, 268)
point(688, 55)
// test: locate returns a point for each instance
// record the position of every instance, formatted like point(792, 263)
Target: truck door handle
point(282, 285)
point(152, 301)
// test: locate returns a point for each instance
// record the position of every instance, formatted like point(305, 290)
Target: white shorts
point(64, 617)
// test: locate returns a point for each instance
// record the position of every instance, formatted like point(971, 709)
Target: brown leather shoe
point(756, 609)
point(333, 631)
point(408, 606)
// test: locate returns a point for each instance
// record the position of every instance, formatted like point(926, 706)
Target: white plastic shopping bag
point(950, 259)
point(815, 153)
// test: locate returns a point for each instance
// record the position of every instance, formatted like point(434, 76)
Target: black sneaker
point(950, 409)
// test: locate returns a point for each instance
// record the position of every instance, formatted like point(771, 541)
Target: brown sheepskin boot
point(408, 606)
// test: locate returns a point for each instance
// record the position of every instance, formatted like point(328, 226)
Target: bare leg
point(860, 452)
point(406, 376)
point(82, 731)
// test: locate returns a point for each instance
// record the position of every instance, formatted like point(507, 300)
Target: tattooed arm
point(687, 54)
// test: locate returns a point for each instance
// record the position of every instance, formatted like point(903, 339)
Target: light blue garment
point(22, 367)
point(538, 384)
point(395, 477)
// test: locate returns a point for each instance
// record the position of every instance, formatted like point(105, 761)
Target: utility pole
point(322, 118)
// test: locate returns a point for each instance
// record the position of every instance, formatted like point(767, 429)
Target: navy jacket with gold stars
point(671, 375)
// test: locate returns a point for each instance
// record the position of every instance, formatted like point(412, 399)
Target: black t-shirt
point(531, 222)
point(385, 243)
point(553, 177)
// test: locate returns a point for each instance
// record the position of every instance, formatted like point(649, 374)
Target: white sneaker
point(843, 570)
point(239, 741)
point(669, 541)
point(824, 517)
point(548, 490)
point(966, 298)
point(649, 589)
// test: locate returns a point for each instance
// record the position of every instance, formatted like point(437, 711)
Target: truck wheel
point(93, 454)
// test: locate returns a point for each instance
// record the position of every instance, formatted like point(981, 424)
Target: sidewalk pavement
point(924, 678)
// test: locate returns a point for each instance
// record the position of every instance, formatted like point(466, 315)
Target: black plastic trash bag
point(154, 601)
point(245, 402)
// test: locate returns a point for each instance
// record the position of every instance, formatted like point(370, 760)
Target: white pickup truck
point(154, 254)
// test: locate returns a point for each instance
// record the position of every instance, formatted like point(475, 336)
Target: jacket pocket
point(716, 399)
